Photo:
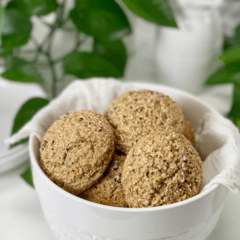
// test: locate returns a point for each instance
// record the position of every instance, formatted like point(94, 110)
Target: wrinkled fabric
point(217, 138)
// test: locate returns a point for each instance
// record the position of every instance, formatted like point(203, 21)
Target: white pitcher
point(185, 55)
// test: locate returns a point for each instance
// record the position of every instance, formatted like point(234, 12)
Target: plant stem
point(78, 41)
point(68, 29)
point(54, 78)
point(39, 49)
point(57, 60)
point(45, 46)
point(45, 23)
point(48, 38)
point(28, 51)
point(56, 25)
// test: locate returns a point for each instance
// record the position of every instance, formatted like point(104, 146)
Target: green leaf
point(16, 29)
point(5, 52)
point(26, 112)
point(43, 7)
point(230, 41)
point(100, 19)
point(237, 33)
point(17, 75)
point(19, 5)
point(225, 74)
point(1, 17)
point(113, 51)
point(234, 114)
point(232, 54)
point(86, 65)
point(238, 124)
point(21, 70)
point(27, 176)
point(157, 11)
point(33, 7)
point(22, 141)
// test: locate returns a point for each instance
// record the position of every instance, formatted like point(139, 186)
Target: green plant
point(229, 73)
point(102, 21)
point(1, 16)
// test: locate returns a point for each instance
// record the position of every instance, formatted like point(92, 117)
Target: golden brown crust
point(161, 169)
point(188, 132)
point(108, 190)
point(77, 149)
point(136, 114)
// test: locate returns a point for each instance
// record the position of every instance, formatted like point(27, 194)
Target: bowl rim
point(35, 163)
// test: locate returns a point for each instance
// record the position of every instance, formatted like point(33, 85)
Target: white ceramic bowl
point(73, 218)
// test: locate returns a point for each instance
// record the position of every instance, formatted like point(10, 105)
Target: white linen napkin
point(217, 139)
point(218, 143)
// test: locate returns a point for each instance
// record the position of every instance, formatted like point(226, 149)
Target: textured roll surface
point(138, 113)
point(188, 132)
point(162, 168)
point(108, 190)
point(77, 149)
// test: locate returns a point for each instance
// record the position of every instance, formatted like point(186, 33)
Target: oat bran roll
point(77, 149)
point(108, 190)
point(135, 114)
point(161, 169)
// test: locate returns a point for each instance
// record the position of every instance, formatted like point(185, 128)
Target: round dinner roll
point(77, 149)
point(108, 190)
point(136, 114)
point(161, 169)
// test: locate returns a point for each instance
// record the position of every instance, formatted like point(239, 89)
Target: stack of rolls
point(139, 154)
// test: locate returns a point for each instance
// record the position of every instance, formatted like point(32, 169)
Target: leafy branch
point(229, 73)
point(104, 21)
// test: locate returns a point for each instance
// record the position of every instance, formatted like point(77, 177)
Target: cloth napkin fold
point(217, 139)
